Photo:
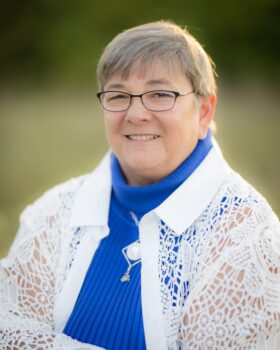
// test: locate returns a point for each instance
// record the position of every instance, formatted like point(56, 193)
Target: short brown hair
point(162, 40)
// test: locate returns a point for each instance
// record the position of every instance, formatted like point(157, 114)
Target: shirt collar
point(178, 211)
point(186, 203)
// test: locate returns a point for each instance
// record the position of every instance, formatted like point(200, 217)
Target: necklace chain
point(131, 252)
point(135, 219)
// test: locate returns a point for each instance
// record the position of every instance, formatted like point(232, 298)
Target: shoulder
point(62, 196)
point(242, 202)
point(239, 227)
point(55, 201)
point(45, 221)
point(244, 230)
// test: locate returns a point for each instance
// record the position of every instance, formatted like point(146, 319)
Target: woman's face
point(150, 145)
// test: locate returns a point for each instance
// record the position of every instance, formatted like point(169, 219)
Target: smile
point(147, 137)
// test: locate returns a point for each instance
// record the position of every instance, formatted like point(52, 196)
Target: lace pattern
point(219, 279)
point(228, 296)
point(34, 271)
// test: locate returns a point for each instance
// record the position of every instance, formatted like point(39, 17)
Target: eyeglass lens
point(155, 100)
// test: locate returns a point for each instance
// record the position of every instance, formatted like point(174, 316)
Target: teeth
point(142, 137)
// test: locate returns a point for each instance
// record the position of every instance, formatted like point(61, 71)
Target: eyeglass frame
point(176, 95)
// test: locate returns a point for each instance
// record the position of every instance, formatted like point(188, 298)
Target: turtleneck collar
point(142, 199)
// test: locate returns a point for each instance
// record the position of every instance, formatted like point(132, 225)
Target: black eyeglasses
point(156, 100)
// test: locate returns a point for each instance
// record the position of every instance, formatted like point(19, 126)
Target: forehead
point(155, 71)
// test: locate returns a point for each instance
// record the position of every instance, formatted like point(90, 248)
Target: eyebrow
point(149, 83)
point(115, 86)
point(158, 81)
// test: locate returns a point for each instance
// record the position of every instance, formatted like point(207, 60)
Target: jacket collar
point(178, 211)
point(92, 200)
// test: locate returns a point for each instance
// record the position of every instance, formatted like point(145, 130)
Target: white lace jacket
point(210, 264)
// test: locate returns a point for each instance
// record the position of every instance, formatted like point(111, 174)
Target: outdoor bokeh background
point(50, 122)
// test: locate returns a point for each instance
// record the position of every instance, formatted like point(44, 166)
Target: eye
point(115, 96)
point(160, 95)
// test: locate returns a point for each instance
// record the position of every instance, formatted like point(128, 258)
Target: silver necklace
point(131, 253)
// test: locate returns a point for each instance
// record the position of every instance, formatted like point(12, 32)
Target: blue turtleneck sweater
point(107, 312)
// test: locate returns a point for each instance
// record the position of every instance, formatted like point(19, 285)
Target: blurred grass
point(50, 135)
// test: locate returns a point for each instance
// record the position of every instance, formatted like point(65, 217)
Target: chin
point(141, 165)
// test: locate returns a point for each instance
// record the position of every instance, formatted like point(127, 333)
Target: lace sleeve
point(235, 301)
point(27, 284)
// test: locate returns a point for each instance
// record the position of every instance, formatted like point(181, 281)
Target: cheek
point(112, 129)
point(181, 136)
point(108, 131)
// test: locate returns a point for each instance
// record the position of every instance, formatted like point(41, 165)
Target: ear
point(207, 105)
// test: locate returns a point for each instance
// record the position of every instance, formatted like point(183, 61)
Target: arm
point(235, 301)
point(27, 286)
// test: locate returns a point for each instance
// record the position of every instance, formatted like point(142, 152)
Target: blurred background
point(51, 125)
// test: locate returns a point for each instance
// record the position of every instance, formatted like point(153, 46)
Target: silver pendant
point(133, 257)
point(132, 253)
point(125, 277)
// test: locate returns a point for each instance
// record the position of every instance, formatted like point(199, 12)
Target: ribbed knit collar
point(142, 199)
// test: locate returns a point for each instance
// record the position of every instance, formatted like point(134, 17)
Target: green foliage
point(62, 40)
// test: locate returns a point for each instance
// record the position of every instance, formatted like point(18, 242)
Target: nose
point(137, 112)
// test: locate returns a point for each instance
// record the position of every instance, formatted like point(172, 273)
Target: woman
point(163, 246)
